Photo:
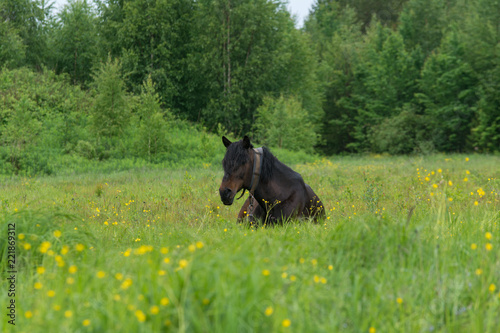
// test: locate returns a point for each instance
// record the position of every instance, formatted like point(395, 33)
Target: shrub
point(401, 134)
point(282, 122)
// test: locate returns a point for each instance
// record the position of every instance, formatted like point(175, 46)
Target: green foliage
point(110, 113)
point(282, 122)
point(422, 24)
point(75, 41)
point(338, 51)
point(21, 130)
point(383, 76)
point(481, 36)
point(437, 61)
point(387, 75)
point(12, 49)
point(40, 113)
point(152, 39)
point(404, 133)
point(152, 123)
point(26, 22)
point(243, 51)
point(448, 96)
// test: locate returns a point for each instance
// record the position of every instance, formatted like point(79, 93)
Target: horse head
point(238, 166)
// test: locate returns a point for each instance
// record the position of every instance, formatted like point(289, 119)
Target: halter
point(257, 167)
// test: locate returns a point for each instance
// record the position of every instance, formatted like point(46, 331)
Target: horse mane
point(236, 155)
point(268, 165)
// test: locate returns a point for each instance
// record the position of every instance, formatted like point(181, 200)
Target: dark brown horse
point(277, 193)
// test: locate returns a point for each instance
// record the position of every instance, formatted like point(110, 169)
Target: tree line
point(361, 76)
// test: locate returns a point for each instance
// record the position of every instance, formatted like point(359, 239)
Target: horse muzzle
point(226, 196)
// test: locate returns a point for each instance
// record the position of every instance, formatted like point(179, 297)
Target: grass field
point(410, 244)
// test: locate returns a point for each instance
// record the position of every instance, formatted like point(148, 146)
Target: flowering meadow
point(409, 244)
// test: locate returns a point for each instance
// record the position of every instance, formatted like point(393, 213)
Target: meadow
point(409, 244)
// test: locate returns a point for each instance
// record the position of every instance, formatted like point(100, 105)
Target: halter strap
point(257, 167)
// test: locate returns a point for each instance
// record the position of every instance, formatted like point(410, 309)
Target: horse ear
point(246, 142)
point(225, 141)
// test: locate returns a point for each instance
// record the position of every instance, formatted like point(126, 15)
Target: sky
point(300, 8)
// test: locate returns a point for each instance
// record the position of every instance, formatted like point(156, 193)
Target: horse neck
point(269, 190)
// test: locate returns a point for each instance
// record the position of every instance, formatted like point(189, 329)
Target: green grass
point(155, 250)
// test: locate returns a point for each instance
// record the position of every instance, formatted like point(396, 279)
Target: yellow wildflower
point(127, 283)
point(140, 316)
point(65, 249)
point(183, 263)
point(269, 311)
point(45, 246)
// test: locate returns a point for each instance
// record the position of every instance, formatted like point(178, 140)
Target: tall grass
point(409, 244)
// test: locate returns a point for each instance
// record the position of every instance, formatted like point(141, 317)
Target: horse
point(277, 193)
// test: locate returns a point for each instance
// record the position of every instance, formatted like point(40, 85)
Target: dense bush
point(402, 134)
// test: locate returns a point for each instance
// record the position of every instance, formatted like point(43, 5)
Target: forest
point(158, 81)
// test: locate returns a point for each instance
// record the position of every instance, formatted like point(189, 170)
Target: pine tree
point(110, 114)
